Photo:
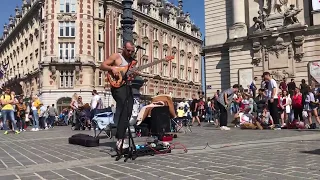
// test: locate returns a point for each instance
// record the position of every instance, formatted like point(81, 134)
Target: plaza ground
point(235, 154)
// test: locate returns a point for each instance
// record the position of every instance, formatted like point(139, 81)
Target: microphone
point(139, 47)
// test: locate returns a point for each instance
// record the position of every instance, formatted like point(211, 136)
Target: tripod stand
point(130, 152)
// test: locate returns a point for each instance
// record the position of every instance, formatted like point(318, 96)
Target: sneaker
point(17, 132)
point(23, 130)
point(6, 132)
point(46, 128)
point(33, 129)
point(224, 128)
point(125, 145)
point(37, 129)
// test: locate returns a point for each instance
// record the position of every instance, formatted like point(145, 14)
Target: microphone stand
point(131, 152)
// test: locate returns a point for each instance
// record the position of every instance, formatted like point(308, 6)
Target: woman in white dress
point(285, 106)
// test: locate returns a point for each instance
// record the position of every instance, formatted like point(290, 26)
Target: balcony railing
point(68, 60)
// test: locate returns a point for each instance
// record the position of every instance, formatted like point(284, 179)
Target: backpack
point(201, 105)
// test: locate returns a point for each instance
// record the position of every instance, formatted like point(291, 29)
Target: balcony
point(65, 61)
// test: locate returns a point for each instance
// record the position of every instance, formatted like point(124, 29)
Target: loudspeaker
point(160, 120)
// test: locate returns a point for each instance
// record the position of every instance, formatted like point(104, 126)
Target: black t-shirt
point(291, 86)
point(193, 104)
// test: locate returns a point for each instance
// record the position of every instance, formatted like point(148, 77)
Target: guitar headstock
point(169, 58)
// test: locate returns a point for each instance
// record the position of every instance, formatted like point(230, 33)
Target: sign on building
point(316, 5)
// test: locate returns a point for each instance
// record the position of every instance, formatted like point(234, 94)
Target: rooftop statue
point(290, 16)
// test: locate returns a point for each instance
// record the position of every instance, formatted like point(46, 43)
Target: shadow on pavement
point(315, 152)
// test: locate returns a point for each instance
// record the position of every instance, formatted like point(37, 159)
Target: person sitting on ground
point(248, 121)
point(265, 118)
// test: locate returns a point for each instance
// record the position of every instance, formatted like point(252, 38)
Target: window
point(67, 29)
point(155, 34)
point(165, 19)
point(119, 41)
point(100, 77)
point(189, 62)
point(101, 9)
point(181, 73)
point(119, 20)
point(189, 76)
point(174, 41)
point(196, 77)
point(155, 52)
point(165, 69)
point(100, 36)
point(100, 55)
point(68, 6)
point(146, 46)
point(144, 9)
point(196, 64)
point(181, 59)
point(145, 30)
point(155, 69)
point(136, 29)
point(175, 60)
point(164, 53)
point(181, 45)
point(67, 51)
point(66, 79)
point(189, 46)
point(144, 62)
point(145, 89)
point(196, 50)
point(174, 72)
point(165, 38)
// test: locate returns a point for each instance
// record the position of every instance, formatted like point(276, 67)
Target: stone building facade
point(53, 48)
point(246, 38)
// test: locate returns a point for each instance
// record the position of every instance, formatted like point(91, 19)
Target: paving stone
point(231, 155)
point(30, 178)
point(9, 177)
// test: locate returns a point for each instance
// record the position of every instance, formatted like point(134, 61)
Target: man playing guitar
point(123, 94)
point(224, 100)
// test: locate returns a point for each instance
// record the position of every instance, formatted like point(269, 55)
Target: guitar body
point(127, 73)
point(117, 80)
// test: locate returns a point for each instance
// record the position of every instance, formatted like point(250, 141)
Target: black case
point(160, 120)
point(84, 140)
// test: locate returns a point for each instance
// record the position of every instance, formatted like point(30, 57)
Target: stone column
point(239, 28)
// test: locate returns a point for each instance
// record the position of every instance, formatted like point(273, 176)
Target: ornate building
point(246, 38)
point(53, 48)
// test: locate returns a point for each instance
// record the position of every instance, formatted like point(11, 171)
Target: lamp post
point(127, 21)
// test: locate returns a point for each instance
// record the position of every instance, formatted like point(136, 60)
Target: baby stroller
point(82, 119)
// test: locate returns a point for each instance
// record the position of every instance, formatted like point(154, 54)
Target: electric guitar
point(128, 72)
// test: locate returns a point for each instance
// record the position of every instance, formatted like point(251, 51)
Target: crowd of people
point(268, 106)
point(17, 113)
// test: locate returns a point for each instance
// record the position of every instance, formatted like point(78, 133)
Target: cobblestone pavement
point(235, 154)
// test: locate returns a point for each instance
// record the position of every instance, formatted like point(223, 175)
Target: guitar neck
point(148, 65)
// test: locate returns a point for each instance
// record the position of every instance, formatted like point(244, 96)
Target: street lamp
point(127, 21)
